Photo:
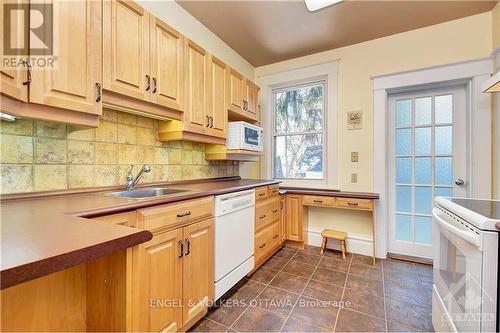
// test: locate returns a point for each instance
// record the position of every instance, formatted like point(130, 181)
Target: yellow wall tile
point(127, 134)
point(50, 151)
point(197, 157)
point(16, 178)
point(50, 129)
point(19, 127)
point(106, 153)
point(174, 156)
point(81, 152)
point(146, 122)
point(187, 157)
point(80, 176)
point(16, 149)
point(146, 136)
point(109, 115)
point(127, 118)
point(50, 177)
point(127, 154)
point(160, 173)
point(145, 155)
point(106, 175)
point(80, 133)
point(174, 172)
point(106, 132)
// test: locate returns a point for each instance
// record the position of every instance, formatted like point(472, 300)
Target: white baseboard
point(355, 244)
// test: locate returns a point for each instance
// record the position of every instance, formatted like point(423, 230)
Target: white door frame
point(473, 73)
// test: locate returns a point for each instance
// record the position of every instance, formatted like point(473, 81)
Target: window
point(298, 131)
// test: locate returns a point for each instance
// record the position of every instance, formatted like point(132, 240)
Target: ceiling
point(265, 32)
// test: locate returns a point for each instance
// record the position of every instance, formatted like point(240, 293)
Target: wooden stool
point(334, 234)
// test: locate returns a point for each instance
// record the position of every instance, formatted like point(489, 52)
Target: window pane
point(403, 113)
point(423, 111)
point(403, 227)
point(423, 229)
point(443, 192)
point(423, 200)
point(443, 107)
point(423, 170)
point(403, 141)
point(403, 170)
point(299, 157)
point(443, 170)
point(443, 138)
point(299, 110)
point(423, 139)
point(403, 199)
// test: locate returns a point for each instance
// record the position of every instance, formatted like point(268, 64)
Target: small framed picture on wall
point(354, 120)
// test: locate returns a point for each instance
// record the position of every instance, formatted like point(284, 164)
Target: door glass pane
point(403, 141)
point(443, 109)
point(403, 113)
point(443, 192)
point(423, 229)
point(443, 170)
point(423, 111)
point(423, 170)
point(403, 227)
point(423, 200)
point(403, 170)
point(443, 140)
point(403, 199)
point(299, 156)
point(423, 139)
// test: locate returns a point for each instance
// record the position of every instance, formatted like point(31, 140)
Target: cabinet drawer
point(173, 214)
point(261, 193)
point(351, 203)
point(317, 200)
point(273, 190)
point(266, 240)
point(266, 212)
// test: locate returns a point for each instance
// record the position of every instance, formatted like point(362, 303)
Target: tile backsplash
point(40, 156)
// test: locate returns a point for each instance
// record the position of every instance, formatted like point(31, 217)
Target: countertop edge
point(331, 193)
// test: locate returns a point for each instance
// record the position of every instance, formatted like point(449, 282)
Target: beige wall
point(464, 39)
point(177, 17)
point(39, 155)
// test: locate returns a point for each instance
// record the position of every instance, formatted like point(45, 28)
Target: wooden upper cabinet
point(251, 99)
point(198, 269)
point(158, 272)
point(195, 80)
point(217, 101)
point(235, 91)
point(73, 84)
point(126, 49)
point(167, 62)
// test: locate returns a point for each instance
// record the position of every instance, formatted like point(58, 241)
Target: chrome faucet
point(131, 181)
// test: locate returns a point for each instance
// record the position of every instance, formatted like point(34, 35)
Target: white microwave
point(245, 136)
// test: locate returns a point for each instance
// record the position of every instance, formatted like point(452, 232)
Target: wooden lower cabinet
point(296, 218)
point(282, 219)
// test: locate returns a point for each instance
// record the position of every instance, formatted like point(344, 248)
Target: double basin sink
point(146, 193)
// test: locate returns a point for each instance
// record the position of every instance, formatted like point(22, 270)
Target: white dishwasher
point(234, 238)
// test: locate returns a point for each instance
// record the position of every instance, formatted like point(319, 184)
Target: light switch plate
point(354, 177)
point(354, 156)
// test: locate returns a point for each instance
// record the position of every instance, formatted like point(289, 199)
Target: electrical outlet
point(354, 177)
point(354, 156)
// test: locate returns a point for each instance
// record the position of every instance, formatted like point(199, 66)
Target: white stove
point(465, 288)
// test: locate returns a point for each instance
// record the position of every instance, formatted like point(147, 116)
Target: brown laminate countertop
point(327, 192)
point(46, 234)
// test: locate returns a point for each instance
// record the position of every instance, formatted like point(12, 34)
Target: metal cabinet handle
point(459, 182)
point(211, 122)
point(188, 251)
point(318, 201)
point(352, 204)
point(28, 74)
point(262, 216)
point(275, 210)
point(181, 245)
point(208, 121)
point(154, 85)
point(148, 80)
point(275, 236)
point(262, 246)
point(184, 214)
point(261, 194)
point(99, 92)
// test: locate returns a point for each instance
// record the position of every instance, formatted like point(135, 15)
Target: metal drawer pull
point(154, 85)
point(262, 246)
point(148, 80)
point(188, 246)
point(275, 236)
point(208, 121)
point(261, 194)
point(318, 201)
point(352, 204)
point(28, 74)
point(184, 214)
point(99, 92)
point(181, 245)
point(275, 210)
point(262, 216)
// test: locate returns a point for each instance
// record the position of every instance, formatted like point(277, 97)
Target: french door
point(428, 151)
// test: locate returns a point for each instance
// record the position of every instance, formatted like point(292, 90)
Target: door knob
point(459, 182)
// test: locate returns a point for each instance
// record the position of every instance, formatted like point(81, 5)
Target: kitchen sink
point(146, 193)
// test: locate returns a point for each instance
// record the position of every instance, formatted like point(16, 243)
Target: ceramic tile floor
point(301, 291)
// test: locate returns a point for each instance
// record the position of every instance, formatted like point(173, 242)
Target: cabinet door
point(167, 56)
point(195, 79)
point(251, 99)
point(77, 41)
point(235, 91)
point(294, 216)
point(158, 281)
point(282, 219)
point(126, 49)
point(198, 268)
point(216, 94)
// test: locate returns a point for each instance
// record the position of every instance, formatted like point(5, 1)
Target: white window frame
point(322, 72)
point(285, 88)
